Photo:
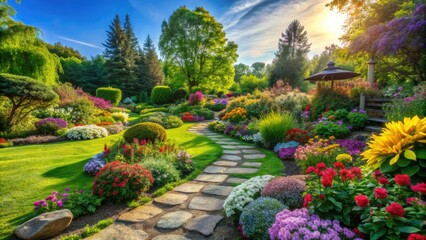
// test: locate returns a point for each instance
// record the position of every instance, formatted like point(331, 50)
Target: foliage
point(248, 83)
point(357, 119)
point(81, 111)
point(4, 143)
point(161, 94)
point(210, 67)
point(120, 117)
point(25, 95)
point(86, 132)
point(325, 128)
point(63, 51)
point(290, 144)
point(162, 168)
point(236, 115)
point(258, 216)
point(49, 126)
point(399, 109)
point(101, 103)
point(89, 231)
point(151, 110)
point(113, 95)
point(146, 131)
point(149, 67)
point(118, 181)
point(217, 126)
point(240, 70)
point(274, 127)
point(203, 112)
point(179, 94)
point(244, 193)
point(293, 101)
point(184, 163)
point(217, 104)
point(172, 122)
point(287, 190)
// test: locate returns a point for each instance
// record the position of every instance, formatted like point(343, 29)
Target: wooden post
point(362, 101)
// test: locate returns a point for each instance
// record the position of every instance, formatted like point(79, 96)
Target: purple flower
point(408, 99)
point(58, 122)
point(355, 110)
point(100, 102)
point(350, 127)
point(60, 204)
point(67, 189)
point(287, 152)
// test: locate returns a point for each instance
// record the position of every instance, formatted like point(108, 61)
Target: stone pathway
point(192, 210)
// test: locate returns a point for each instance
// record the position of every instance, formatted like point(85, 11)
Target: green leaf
point(386, 168)
point(421, 153)
point(403, 162)
point(422, 173)
point(409, 154)
point(408, 229)
point(337, 204)
point(378, 234)
point(422, 162)
point(410, 170)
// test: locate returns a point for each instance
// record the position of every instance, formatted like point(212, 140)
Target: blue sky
point(255, 25)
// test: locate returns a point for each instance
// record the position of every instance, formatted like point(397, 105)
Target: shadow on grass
point(67, 170)
point(15, 222)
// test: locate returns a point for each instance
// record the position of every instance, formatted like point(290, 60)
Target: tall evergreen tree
point(153, 74)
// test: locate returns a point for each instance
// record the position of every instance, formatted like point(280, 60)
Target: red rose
point(420, 188)
point(327, 181)
point(307, 199)
point(383, 180)
point(402, 179)
point(380, 193)
point(321, 196)
point(310, 170)
point(377, 174)
point(339, 165)
point(362, 200)
point(395, 209)
point(321, 165)
point(416, 236)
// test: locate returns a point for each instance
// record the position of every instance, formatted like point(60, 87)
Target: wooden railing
point(373, 106)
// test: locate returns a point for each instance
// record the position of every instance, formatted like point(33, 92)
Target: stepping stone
point(241, 170)
point(231, 157)
point(225, 163)
point(236, 180)
point(231, 151)
point(204, 224)
point(214, 169)
point(250, 151)
point(244, 147)
point(217, 178)
point(218, 190)
point(206, 204)
point(140, 214)
point(171, 199)
point(228, 146)
point(227, 143)
point(170, 237)
point(252, 164)
point(188, 188)
point(119, 231)
point(254, 156)
point(174, 219)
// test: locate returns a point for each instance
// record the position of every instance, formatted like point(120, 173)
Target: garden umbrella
point(331, 72)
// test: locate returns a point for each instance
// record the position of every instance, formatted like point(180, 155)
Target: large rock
point(45, 225)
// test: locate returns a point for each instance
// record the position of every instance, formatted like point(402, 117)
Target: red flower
point(116, 179)
point(411, 200)
point(308, 108)
point(101, 191)
point(310, 170)
point(358, 232)
point(114, 193)
point(383, 180)
point(330, 172)
point(380, 193)
point(416, 236)
point(327, 181)
point(339, 165)
point(321, 165)
point(377, 174)
point(420, 188)
point(395, 209)
point(362, 200)
point(402, 179)
point(321, 196)
point(345, 174)
point(356, 171)
point(307, 199)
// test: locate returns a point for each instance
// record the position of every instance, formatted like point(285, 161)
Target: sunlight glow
point(333, 22)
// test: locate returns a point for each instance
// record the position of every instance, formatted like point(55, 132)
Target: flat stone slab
point(170, 237)
point(236, 180)
point(252, 164)
point(119, 231)
point(231, 157)
point(228, 146)
point(227, 143)
point(250, 151)
point(171, 199)
point(188, 188)
point(174, 219)
point(244, 147)
point(225, 163)
point(231, 151)
point(214, 169)
point(218, 190)
point(217, 178)
point(241, 170)
point(254, 156)
point(140, 214)
point(206, 203)
point(204, 224)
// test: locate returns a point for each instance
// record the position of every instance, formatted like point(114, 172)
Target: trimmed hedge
point(179, 94)
point(161, 94)
point(146, 131)
point(113, 95)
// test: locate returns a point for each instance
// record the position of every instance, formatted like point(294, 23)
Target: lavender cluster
point(222, 101)
point(354, 147)
point(285, 153)
point(95, 164)
point(58, 122)
point(299, 224)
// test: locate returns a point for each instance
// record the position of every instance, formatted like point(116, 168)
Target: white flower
point(87, 132)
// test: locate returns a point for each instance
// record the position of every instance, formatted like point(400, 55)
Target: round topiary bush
point(146, 131)
point(161, 94)
point(109, 93)
point(288, 190)
point(179, 94)
point(258, 217)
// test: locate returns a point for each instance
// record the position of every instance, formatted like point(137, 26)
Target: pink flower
point(420, 188)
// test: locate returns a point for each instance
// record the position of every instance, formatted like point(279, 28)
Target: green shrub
point(328, 128)
point(399, 109)
point(357, 119)
point(146, 131)
point(274, 127)
point(172, 122)
point(120, 117)
point(113, 95)
point(82, 112)
point(82, 202)
point(151, 110)
point(161, 94)
point(326, 100)
point(206, 113)
point(143, 96)
point(162, 169)
point(250, 82)
point(179, 94)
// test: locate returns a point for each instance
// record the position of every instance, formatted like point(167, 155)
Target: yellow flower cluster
point(343, 157)
point(238, 112)
point(396, 139)
point(328, 148)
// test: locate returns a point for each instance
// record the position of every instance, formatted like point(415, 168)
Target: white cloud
point(79, 42)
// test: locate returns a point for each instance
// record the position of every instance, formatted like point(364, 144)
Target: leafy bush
point(274, 128)
point(204, 112)
point(399, 109)
point(325, 128)
point(81, 111)
point(195, 98)
point(258, 216)
point(248, 83)
point(146, 131)
point(236, 115)
point(4, 143)
point(217, 126)
point(357, 119)
point(325, 101)
point(113, 95)
point(161, 94)
point(118, 181)
point(162, 169)
point(120, 117)
point(217, 104)
point(183, 163)
point(152, 110)
point(49, 126)
point(299, 135)
point(95, 164)
point(290, 144)
point(179, 94)
point(172, 122)
point(86, 132)
point(189, 117)
point(288, 190)
point(293, 101)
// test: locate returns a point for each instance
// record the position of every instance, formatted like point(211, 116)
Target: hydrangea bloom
point(94, 164)
point(291, 144)
point(86, 132)
point(244, 193)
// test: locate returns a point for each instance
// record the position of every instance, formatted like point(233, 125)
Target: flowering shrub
point(37, 139)
point(299, 224)
point(162, 169)
point(183, 163)
point(86, 132)
point(236, 115)
point(357, 119)
point(101, 103)
point(95, 164)
point(296, 134)
point(114, 128)
point(326, 128)
point(120, 117)
point(354, 147)
point(290, 144)
point(217, 126)
point(4, 143)
point(288, 190)
point(217, 104)
point(49, 126)
point(258, 216)
point(244, 193)
point(189, 117)
point(118, 181)
point(195, 98)
point(286, 153)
